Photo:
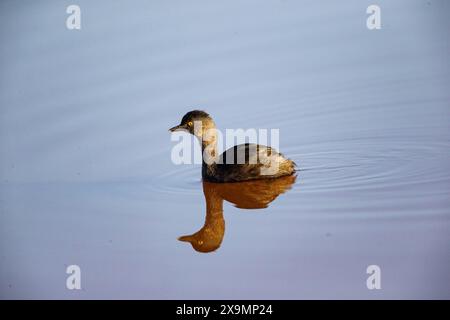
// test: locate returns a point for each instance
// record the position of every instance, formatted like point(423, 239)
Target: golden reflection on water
point(257, 194)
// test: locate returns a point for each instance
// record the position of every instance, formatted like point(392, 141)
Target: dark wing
point(250, 161)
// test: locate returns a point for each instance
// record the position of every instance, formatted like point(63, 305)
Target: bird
point(242, 162)
point(255, 194)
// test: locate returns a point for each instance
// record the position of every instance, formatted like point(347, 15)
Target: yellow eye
point(189, 123)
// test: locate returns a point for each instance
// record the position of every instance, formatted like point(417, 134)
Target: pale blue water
point(85, 169)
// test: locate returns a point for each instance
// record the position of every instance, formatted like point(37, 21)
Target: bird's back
point(248, 161)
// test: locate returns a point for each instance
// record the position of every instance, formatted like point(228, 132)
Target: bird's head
point(195, 122)
point(206, 240)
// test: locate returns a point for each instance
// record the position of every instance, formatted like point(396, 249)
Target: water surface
point(85, 168)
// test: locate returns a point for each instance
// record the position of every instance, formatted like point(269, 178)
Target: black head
point(187, 123)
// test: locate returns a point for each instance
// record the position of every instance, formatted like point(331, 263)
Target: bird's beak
point(186, 238)
point(177, 128)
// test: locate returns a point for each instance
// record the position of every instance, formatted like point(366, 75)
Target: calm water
point(85, 168)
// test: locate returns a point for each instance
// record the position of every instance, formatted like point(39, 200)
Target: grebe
point(243, 162)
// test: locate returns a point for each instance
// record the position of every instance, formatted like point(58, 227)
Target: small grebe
point(246, 161)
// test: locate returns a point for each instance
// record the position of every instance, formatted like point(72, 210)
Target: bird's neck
point(209, 152)
point(214, 204)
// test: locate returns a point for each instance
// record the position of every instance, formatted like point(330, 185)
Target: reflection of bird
point(242, 162)
point(248, 195)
